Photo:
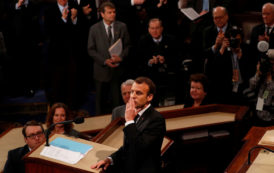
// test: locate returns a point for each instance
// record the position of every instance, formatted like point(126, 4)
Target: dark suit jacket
point(22, 36)
point(148, 48)
point(14, 163)
point(136, 17)
point(219, 69)
point(118, 111)
point(98, 46)
point(209, 37)
point(141, 151)
point(84, 21)
point(62, 36)
point(256, 31)
point(22, 31)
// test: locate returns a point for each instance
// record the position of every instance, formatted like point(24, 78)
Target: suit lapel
point(116, 31)
point(144, 119)
point(104, 34)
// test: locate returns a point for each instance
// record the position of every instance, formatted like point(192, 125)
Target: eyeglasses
point(33, 136)
point(218, 17)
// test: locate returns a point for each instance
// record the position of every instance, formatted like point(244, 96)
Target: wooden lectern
point(34, 162)
point(113, 136)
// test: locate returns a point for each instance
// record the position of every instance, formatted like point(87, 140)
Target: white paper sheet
point(61, 154)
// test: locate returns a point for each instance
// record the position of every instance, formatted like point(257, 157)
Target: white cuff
point(129, 122)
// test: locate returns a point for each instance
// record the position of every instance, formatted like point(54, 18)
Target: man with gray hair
point(119, 111)
point(262, 32)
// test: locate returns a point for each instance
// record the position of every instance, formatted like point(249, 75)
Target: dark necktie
point(136, 118)
point(23, 7)
point(109, 35)
point(268, 30)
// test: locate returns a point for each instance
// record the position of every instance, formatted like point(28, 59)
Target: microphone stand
point(77, 120)
point(249, 153)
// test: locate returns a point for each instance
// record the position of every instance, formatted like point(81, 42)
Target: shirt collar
point(26, 2)
point(143, 110)
point(271, 26)
point(223, 28)
point(106, 25)
point(158, 40)
point(61, 8)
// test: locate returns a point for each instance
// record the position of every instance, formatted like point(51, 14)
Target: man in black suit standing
point(262, 32)
point(107, 69)
point(158, 58)
point(86, 16)
point(33, 133)
point(216, 42)
point(61, 22)
point(193, 30)
point(22, 39)
point(119, 111)
point(143, 133)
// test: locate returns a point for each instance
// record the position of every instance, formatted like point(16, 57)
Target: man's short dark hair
point(106, 4)
point(31, 123)
point(149, 82)
point(154, 20)
point(200, 77)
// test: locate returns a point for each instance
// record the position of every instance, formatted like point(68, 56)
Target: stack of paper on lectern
point(66, 150)
point(116, 48)
point(191, 13)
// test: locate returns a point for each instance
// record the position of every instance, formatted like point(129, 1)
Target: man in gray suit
point(125, 91)
point(107, 68)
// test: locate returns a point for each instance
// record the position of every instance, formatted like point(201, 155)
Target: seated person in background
point(60, 112)
point(198, 91)
point(119, 111)
point(263, 83)
point(33, 133)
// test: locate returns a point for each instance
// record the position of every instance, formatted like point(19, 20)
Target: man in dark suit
point(262, 32)
point(22, 37)
point(158, 58)
point(193, 30)
point(143, 133)
point(216, 43)
point(107, 68)
point(125, 91)
point(33, 133)
point(61, 22)
point(86, 17)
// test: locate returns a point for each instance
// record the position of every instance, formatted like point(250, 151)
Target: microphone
point(253, 148)
point(263, 46)
point(77, 120)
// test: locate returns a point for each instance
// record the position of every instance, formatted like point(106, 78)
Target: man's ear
point(25, 139)
point(150, 97)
